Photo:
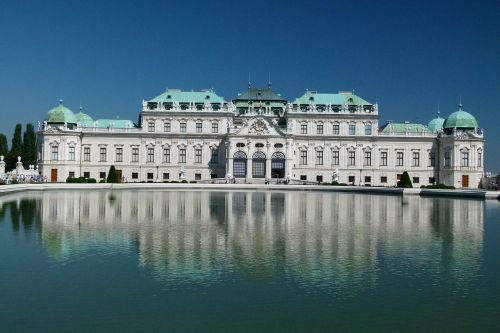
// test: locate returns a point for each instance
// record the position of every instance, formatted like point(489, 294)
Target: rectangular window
point(119, 154)
point(319, 128)
point(71, 174)
point(352, 129)
point(398, 176)
point(86, 174)
point(183, 127)
point(432, 159)
point(319, 157)
point(166, 155)
point(368, 129)
point(71, 153)
point(303, 177)
point(182, 155)
point(319, 179)
point(336, 129)
point(383, 158)
point(335, 157)
point(479, 159)
point(416, 159)
point(303, 157)
point(197, 156)
point(199, 127)
point(166, 176)
point(303, 128)
point(102, 175)
point(150, 176)
point(464, 161)
point(55, 153)
point(447, 158)
point(197, 176)
point(351, 179)
point(214, 158)
point(151, 155)
point(368, 179)
point(167, 127)
point(383, 179)
point(368, 158)
point(135, 154)
point(135, 175)
point(416, 180)
point(352, 157)
point(432, 180)
point(215, 127)
point(151, 126)
point(399, 158)
point(102, 154)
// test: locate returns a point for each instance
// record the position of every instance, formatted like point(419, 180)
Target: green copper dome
point(60, 115)
point(436, 124)
point(460, 119)
point(83, 117)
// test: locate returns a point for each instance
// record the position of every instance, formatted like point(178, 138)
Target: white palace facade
point(318, 137)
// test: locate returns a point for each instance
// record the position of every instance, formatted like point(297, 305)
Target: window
point(86, 174)
point(199, 127)
point(135, 154)
point(151, 126)
point(215, 127)
point(71, 153)
point(102, 175)
point(151, 155)
point(352, 157)
point(167, 127)
point(150, 176)
point(398, 176)
point(182, 155)
point(303, 157)
point(447, 158)
point(102, 154)
point(55, 153)
point(416, 180)
point(166, 155)
point(240, 145)
point(399, 158)
point(416, 159)
point(319, 157)
point(383, 158)
point(214, 157)
point(336, 129)
point(303, 128)
point(197, 155)
point(135, 175)
point(351, 179)
point(383, 179)
point(71, 174)
point(368, 158)
point(319, 179)
point(368, 179)
point(464, 160)
point(432, 180)
point(278, 145)
point(213, 175)
point(479, 159)
point(352, 129)
point(166, 176)
point(183, 127)
point(119, 154)
point(335, 157)
point(319, 129)
point(197, 176)
point(368, 129)
point(432, 159)
point(303, 177)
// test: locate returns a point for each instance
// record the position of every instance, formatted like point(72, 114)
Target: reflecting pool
point(213, 261)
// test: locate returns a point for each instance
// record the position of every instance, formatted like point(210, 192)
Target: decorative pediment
point(259, 126)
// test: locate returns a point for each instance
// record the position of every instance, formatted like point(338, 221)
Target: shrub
point(405, 181)
point(193, 182)
point(14, 182)
point(102, 181)
point(112, 175)
point(91, 181)
point(184, 181)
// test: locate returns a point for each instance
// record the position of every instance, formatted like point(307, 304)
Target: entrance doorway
point(259, 165)
point(239, 164)
point(465, 180)
point(278, 165)
point(53, 175)
point(119, 175)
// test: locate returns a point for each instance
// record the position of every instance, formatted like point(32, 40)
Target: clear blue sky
point(409, 56)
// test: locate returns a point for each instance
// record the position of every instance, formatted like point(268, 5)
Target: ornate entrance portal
point(278, 165)
point(240, 164)
point(259, 165)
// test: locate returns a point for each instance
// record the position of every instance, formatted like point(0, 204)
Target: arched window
point(259, 165)
point(240, 164)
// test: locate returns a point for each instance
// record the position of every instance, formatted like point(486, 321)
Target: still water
point(184, 261)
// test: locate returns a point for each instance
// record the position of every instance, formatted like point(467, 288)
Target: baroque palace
point(318, 137)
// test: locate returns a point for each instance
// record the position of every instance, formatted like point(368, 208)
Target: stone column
point(2, 166)
point(288, 159)
point(268, 161)
point(249, 167)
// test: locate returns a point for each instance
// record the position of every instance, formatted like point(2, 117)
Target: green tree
point(112, 175)
point(405, 181)
point(16, 148)
point(4, 147)
point(29, 146)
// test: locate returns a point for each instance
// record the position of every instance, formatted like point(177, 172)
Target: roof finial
point(439, 111)
point(249, 81)
point(269, 80)
point(460, 103)
point(60, 100)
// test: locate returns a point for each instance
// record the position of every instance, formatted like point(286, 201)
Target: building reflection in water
point(325, 241)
